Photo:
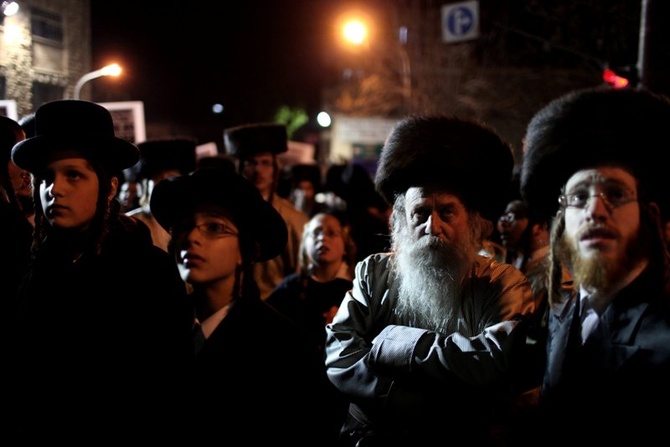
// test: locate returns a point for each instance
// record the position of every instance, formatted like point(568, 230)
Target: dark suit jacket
point(258, 381)
point(616, 386)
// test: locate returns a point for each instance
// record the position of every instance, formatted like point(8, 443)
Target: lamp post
point(356, 33)
point(109, 70)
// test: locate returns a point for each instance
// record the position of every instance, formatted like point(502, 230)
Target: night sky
point(252, 56)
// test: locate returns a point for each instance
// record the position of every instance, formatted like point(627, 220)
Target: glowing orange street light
point(108, 70)
point(355, 31)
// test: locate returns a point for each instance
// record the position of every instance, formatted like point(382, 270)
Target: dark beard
point(431, 273)
point(595, 272)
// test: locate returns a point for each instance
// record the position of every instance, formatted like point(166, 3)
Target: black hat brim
point(35, 153)
point(177, 198)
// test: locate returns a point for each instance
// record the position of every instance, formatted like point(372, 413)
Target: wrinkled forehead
point(422, 194)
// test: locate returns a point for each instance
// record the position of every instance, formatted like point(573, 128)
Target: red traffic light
point(614, 79)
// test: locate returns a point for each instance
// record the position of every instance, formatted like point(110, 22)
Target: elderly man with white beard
point(425, 345)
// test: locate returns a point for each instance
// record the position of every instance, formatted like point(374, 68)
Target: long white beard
point(431, 274)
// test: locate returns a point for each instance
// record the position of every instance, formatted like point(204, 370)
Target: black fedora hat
point(460, 155)
point(177, 198)
point(72, 127)
point(250, 139)
point(165, 155)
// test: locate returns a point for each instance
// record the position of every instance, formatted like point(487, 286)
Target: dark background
point(254, 56)
point(180, 58)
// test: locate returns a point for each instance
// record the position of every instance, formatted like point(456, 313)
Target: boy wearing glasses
point(221, 227)
point(593, 158)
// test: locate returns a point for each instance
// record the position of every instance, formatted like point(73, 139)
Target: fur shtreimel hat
point(177, 198)
point(74, 128)
point(590, 127)
point(250, 139)
point(461, 156)
point(164, 155)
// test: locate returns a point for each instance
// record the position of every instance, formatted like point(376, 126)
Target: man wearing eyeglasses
point(257, 147)
point(594, 159)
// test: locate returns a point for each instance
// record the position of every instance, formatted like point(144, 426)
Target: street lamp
point(9, 8)
point(109, 70)
point(356, 32)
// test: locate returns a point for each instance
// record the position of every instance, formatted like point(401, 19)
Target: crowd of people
point(456, 294)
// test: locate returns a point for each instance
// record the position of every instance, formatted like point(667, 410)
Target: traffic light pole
point(643, 45)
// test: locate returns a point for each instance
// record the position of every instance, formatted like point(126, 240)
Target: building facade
point(44, 49)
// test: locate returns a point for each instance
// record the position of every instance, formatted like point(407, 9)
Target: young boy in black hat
point(102, 321)
point(256, 376)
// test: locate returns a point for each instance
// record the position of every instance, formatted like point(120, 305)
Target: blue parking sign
point(460, 21)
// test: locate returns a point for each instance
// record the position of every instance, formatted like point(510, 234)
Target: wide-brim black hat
point(590, 127)
point(10, 134)
point(177, 198)
point(72, 126)
point(250, 139)
point(165, 155)
point(464, 157)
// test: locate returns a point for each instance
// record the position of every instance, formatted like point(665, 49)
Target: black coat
point(304, 300)
point(101, 344)
point(619, 377)
point(16, 235)
point(258, 381)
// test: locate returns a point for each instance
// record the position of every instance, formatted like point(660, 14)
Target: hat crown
point(462, 156)
point(66, 117)
point(72, 126)
point(250, 139)
point(27, 122)
point(166, 154)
